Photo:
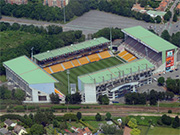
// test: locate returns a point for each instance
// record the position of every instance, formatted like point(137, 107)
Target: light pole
point(68, 73)
point(64, 11)
point(32, 53)
point(111, 36)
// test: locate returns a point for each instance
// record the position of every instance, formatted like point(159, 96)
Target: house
point(9, 122)
point(163, 5)
point(178, 8)
point(4, 131)
point(137, 8)
point(19, 130)
point(18, 2)
point(56, 3)
point(79, 131)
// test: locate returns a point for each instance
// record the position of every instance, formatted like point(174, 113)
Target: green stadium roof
point(106, 73)
point(29, 71)
point(149, 39)
point(69, 49)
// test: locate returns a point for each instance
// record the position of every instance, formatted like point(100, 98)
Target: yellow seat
point(104, 54)
point(75, 62)
point(57, 68)
point(83, 60)
point(67, 65)
point(94, 57)
point(47, 70)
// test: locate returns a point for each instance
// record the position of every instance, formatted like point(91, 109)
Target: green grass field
point(163, 131)
point(75, 72)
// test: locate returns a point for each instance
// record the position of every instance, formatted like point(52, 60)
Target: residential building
point(18, 2)
point(163, 5)
point(56, 3)
point(19, 130)
point(9, 123)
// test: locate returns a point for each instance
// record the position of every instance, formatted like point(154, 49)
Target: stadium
point(93, 69)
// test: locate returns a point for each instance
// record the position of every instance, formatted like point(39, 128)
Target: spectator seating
point(57, 68)
point(83, 60)
point(127, 56)
point(105, 54)
point(67, 65)
point(48, 70)
point(75, 62)
point(121, 54)
point(94, 57)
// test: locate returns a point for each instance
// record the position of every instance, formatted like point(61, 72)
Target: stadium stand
point(67, 65)
point(104, 54)
point(48, 70)
point(75, 62)
point(121, 54)
point(94, 57)
point(57, 68)
point(83, 60)
point(127, 56)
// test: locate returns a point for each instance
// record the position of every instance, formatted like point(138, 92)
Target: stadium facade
point(31, 78)
point(142, 53)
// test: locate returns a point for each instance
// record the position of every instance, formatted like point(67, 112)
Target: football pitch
point(77, 71)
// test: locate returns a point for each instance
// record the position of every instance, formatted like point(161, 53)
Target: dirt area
point(127, 131)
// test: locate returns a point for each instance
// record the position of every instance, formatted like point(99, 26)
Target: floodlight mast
point(32, 53)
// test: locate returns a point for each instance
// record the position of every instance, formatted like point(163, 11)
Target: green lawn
point(95, 124)
point(2, 78)
point(175, 104)
point(75, 72)
point(163, 131)
point(143, 129)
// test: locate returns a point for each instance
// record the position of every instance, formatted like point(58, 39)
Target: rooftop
point(149, 39)
point(114, 71)
point(29, 71)
point(71, 48)
point(158, 13)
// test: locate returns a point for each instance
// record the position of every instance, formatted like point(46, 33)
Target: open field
point(75, 72)
point(163, 131)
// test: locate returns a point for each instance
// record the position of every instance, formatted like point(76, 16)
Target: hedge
point(19, 108)
point(89, 126)
point(65, 107)
point(13, 116)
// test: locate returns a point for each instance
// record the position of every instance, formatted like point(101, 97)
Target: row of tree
point(167, 120)
point(174, 39)
point(38, 11)
point(50, 30)
point(152, 97)
point(172, 85)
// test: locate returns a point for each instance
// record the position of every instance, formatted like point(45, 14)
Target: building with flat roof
point(37, 83)
point(156, 13)
point(56, 3)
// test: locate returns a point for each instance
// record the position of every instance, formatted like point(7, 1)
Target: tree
point(63, 125)
point(135, 131)
point(166, 119)
point(73, 99)
point(165, 35)
point(54, 98)
point(161, 81)
point(55, 123)
point(111, 130)
point(176, 122)
point(132, 123)
point(158, 19)
point(19, 94)
point(175, 17)
point(103, 99)
point(153, 97)
point(108, 116)
point(98, 117)
point(31, 116)
point(79, 115)
point(37, 129)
